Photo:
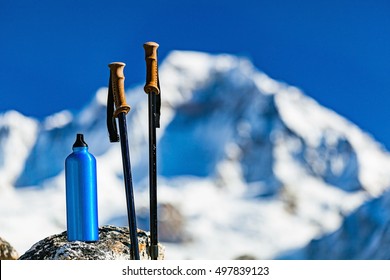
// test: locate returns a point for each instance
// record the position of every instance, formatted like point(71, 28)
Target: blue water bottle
point(81, 193)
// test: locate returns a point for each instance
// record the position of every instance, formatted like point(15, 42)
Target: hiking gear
point(81, 193)
point(152, 88)
point(116, 93)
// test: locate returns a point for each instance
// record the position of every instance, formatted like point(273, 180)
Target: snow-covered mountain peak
point(57, 120)
point(235, 147)
point(183, 72)
point(17, 136)
point(228, 94)
point(321, 127)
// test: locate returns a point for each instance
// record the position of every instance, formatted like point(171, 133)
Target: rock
point(7, 252)
point(113, 244)
point(171, 223)
point(246, 257)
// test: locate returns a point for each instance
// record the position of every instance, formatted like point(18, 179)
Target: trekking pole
point(116, 95)
point(152, 88)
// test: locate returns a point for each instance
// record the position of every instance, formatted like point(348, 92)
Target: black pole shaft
point(128, 187)
point(153, 176)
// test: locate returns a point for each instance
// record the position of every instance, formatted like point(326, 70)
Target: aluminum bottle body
point(81, 196)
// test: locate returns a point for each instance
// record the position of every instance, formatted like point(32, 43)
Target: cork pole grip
point(151, 84)
point(118, 88)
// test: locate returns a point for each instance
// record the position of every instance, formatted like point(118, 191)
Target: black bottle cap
point(79, 141)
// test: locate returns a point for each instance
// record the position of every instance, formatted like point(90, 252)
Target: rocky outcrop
point(113, 244)
point(7, 252)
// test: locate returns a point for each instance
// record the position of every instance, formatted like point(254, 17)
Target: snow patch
point(58, 120)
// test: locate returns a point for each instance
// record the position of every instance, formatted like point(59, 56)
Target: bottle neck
point(80, 149)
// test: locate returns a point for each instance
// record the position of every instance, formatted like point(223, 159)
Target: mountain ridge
point(227, 131)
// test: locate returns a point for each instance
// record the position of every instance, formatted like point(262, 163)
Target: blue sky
point(54, 54)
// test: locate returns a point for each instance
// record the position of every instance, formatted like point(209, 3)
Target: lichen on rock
point(113, 244)
point(7, 252)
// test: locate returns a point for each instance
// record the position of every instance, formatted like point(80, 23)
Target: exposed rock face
point(171, 223)
point(7, 252)
point(113, 244)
